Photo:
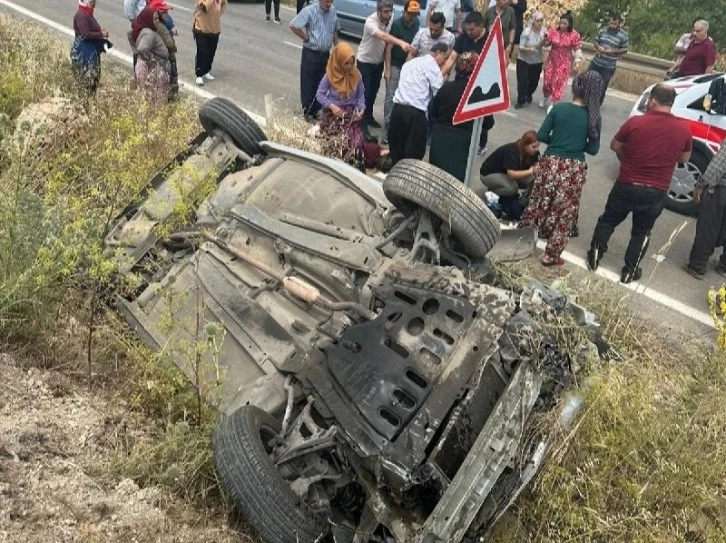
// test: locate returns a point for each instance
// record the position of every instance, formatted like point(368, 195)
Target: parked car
point(377, 381)
point(353, 13)
point(708, 126)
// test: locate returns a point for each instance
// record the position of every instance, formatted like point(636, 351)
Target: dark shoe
point(373, 123)
point(518, 105)
point(529, 99)
point(575, 232)
point(628, 276)
point(384, 140)
point(267, 18)
point(278, 20)
point(593, 258)
point(693, 272)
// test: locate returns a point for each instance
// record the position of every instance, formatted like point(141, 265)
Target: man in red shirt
point(700, 57)
point(648, 146)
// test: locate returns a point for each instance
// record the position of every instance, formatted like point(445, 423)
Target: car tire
point(220, 113)
point(412, 184)
point(685, 205)
point(257, 489)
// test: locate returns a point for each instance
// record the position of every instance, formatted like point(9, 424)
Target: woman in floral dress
point(570, 130)
point(565, 43)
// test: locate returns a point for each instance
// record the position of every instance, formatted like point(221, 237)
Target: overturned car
point(376, 383)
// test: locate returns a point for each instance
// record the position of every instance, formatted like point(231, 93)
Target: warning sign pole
point(475, 133)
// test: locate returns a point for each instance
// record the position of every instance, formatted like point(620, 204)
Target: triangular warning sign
point(487, 91)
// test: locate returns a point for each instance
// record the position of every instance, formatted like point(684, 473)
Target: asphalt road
point(255, 58)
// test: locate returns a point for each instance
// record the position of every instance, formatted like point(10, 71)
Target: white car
point(708, 127)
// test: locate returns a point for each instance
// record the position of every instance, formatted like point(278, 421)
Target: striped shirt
point(320, 26)
point(423, 42)
point(610, 40)
point(716, 172)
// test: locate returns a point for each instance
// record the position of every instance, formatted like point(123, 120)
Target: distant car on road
point(707, 123)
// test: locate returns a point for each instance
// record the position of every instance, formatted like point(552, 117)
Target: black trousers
point(206, 49)
point(371, 75)
point(407, 133)
point(645, 203)
point(710, 229)
point(527, 80)
point(606, 75)
point(312, 70)
point(268, 5)
point(301, 4)
point(487, 124)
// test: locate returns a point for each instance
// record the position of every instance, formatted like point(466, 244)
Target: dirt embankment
point(55, 439)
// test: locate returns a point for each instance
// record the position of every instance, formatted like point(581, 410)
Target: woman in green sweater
point(570, 130)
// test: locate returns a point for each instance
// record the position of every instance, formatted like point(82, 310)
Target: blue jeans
point(312, 70)
point(371, 75)
point(606, 73)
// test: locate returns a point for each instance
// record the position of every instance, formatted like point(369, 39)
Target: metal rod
point(475, 133)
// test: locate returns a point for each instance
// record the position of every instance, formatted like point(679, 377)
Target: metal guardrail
point(634, 61)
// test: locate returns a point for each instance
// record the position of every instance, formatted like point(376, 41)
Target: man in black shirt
point(472, 40)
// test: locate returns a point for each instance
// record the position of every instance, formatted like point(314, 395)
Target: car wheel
point(220, 113)
point(685, 177)
point(242, 446)
point(412, 184)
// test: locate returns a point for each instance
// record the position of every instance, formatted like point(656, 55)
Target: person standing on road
point(700, 56)
point(711, 225)
point(450, 142)
point(268, 8)
point(421, 79)
point(132, 8)
point(404, 28)
point(451, 10)
point(426, 37)
point(611, 43)
point(648, 146)
point(570, 130)
point(529, 60)
point(520, 8)
point(472, 41)
point(563, 58)
point(317, 26)
point(206, 29)
point(371, 54)
point(505, 12)
point(90, 41)
point(153, 69)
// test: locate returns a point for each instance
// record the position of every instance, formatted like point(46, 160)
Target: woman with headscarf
point(153, 69)
point(570, 130)
point(449, 142)
point(342, 98)
point(90, 41)
point(565, 56)
point(529, 60)
point(509, 170)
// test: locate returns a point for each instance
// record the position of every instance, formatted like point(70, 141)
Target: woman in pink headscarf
point(90, 41)
point(153, 68)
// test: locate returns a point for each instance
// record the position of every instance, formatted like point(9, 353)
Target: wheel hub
point(685, 177)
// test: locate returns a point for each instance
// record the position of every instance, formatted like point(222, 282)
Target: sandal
point(548, 261)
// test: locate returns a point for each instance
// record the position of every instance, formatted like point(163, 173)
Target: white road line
point(190, 87)
point(295, 45)
point(667, 301)
point(182, 8)
point(640, 287)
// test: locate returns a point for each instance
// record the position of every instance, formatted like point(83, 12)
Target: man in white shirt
point(371, 54)
point(421, 78)
point(450, 9)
